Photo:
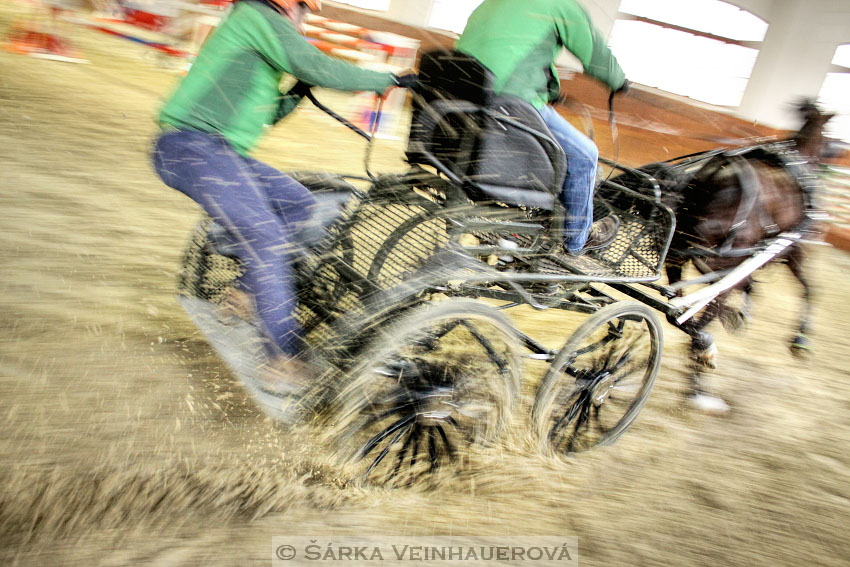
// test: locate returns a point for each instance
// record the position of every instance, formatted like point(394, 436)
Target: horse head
point(809, 140)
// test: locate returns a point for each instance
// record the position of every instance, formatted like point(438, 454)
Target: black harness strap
point(748, 181)
point(782, 154)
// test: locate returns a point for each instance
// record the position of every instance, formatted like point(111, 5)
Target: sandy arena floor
point(126, 441)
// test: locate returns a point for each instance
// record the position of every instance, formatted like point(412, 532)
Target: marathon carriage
point(404, 288)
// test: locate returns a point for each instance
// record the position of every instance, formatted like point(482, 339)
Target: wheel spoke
point(582, 417)
point(402, 453)
point(569, 415)
point(626, 373)
point(598, 421)
point(429, 340)
point(623, 359)
point(386, 450)
point(630, 388)
point(414, 452)
point(449, 447)
point(629, 374)
point(593, 346)
point(387, 413)
point(432, 449)
point(500, 362)
point(581, 421)
point(374, 441)
point(609, 352)
point(618, 353)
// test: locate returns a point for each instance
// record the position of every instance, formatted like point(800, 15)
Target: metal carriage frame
point(403, 288)
point(413, 257)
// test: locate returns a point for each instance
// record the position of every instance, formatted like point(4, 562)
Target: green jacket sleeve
point(582, 39)
point(277, 40)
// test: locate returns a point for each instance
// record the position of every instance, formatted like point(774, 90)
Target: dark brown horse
point(728, 203)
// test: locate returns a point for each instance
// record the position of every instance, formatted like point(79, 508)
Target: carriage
point(404, 282)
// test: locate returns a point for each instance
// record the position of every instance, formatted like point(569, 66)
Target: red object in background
point(146, 20)
point(40, 44)
point(165, 48)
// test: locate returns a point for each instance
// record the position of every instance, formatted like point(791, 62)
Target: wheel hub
point(434, 406)
point(602, 389)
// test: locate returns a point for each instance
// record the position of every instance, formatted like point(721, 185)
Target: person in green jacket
point(520, 42)
point(214, 119)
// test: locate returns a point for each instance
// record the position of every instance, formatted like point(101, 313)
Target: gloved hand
point(300, 89)
point(406, 81)
point(624, 88)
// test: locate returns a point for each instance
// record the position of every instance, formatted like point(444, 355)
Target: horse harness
point(782, 154)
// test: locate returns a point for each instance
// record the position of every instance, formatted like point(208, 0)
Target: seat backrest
point(497, 146)
point(455, 75)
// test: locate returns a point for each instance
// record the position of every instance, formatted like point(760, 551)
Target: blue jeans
point(258, 205)
point(577, 195)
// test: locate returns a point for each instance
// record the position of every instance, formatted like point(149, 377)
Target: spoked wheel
point(438, 379)
point(600, 379)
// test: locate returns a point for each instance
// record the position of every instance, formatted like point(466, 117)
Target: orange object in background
point(837, 236)
point(42, 34)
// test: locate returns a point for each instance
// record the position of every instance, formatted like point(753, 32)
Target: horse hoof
point(710, 405)
point(707, 357)
point(800, 347)
point(734, 319)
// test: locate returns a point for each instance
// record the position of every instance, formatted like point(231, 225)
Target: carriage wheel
point(440, 377)
point(600, 379)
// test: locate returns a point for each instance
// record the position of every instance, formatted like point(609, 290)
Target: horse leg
point(674, 272)
point(703, 349)
point(800, 344)
point(736, 318)
point(703, 355)
point(747, 307)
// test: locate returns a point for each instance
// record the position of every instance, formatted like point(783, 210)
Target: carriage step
point(487, 250)
point(241, 346)
point(506, 227)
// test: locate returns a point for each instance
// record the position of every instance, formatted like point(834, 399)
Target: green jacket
point(232, 87)
point(519, 41)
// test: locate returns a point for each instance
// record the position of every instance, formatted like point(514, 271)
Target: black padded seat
point(514, 196)
point(497, 147)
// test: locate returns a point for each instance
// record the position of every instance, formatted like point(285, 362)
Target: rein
point(615, 136)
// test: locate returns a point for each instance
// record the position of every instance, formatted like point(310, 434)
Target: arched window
point(702, 49)
point(451, 15)
point(835, 93)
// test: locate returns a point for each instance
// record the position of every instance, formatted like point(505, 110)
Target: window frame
point(749, 44)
